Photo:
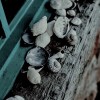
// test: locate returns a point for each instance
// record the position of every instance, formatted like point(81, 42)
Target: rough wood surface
point(77, 80)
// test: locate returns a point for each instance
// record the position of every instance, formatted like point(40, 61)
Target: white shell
point(54, 65)
point(61, 27)
point(40, 27)
point(66, 4)
point(50, 28)
point(61, 12)
point(72, 37)
point(16, 97)
point(56, 4)
point(71, 13)
point(76, 21)
point(43, 40)
point(58, 55)
point(33, 76)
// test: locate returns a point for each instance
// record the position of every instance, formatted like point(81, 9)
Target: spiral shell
point(53, 65)
point(61, 27)
point(61, 12)
point(16, 97)
point(33, 76)
point(40, 27)
point(72, 38)
point(43, 40)
point(50, 28)
point(56, 4)
point(76, 21)
point(71, 13)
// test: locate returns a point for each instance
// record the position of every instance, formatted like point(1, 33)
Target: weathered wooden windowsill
point(77, 80)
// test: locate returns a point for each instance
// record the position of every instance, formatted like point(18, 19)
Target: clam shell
point(40, 27)
point(66, 4)
point(72, 37)
point(53, 65)
point(56, 4)
point(71, 13)
point(50, 28)
point(61, 12)
point(37, 57)
point(61, 27)
point(42, 40)
point(76, 21)
point(33, 76)
point(58, 55)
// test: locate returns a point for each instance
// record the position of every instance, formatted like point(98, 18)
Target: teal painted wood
point(15, 61)
point(10, 42)
point(4, 21)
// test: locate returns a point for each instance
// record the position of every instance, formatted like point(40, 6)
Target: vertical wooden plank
point(4, 21)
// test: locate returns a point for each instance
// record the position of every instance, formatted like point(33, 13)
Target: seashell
point(28, 38)
point(16, 97)
point(58, 55)
point(61, 27)
point(53, 65)
point(76, 21)
point(43, 40)
point(37, 57)
point(61, 12)
point(72, 37)
point(56, 4)
point(71, 13)
point(50, 28)
point(33, 76)
point(40, 27)
point(66, 4)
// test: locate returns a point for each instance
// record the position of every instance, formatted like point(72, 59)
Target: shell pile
point(60, 27)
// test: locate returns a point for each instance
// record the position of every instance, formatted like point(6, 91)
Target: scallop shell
point(72, 37)
point(50, 28)
point(33, 76)
point(58, 55)
point(61, 12)
point(56, 4)
point(53, 65)
point(71, 13)
point(42, 40)
point(37, 57)
point(16, 97)
point(76, 21)
point(61, 27)
point(40, 27)
point(66, 4)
